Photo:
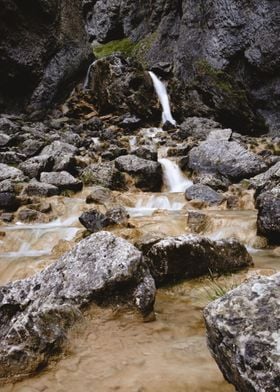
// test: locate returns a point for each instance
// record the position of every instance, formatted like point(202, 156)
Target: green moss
point(127, 47)
point(124, 46)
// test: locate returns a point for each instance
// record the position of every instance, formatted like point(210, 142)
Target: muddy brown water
point(112, 349)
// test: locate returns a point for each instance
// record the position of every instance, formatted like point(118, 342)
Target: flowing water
point(163, 98)
point(112, 349)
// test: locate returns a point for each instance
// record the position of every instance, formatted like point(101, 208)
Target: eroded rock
point(243, 334)
point(35, 313)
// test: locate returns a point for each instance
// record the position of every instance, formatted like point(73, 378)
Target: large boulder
point(147, 174)
point(267, 180)
point(243, 335)
point(9, 172)
point(268, 221)
point(189, 256)
point(36, 313)
point(225, 158)
point(32, 167)
point(43, 47)
point(204, 193)
point(122, 86)
point(62, 154)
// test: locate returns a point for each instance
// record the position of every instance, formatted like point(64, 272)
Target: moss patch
point(124, 46)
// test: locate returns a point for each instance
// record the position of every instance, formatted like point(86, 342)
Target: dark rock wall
point(240, 37)
point(43, 45)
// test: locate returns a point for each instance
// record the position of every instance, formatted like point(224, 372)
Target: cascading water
point(163, 98)
point(85, 86)
point(173, 178)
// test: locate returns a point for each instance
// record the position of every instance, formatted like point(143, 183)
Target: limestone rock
point(62, 180)
point(243, 334)
point(35, 313)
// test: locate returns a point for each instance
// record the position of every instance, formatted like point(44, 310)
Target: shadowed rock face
point(36, 313)
point(243, 335)
point(43, 46)
point(237, 36)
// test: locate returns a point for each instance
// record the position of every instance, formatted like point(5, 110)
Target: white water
point(87, 76)
point(154, 203)
point(163, 98)
point(173, 178)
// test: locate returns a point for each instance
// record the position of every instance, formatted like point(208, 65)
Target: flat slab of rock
point(243, 333)
point(35, 313)
point(62, 180)
point(229, 159)
point(189, 256)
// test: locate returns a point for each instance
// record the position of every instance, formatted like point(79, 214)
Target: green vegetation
point(126, 47)
point(216, 288)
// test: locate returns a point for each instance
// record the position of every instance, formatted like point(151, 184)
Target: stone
point(214, 181)
point(9, 172)
point(37, 312)
point(34, 166)
point(94, 220)
point(62, 154)
point(36, 188)
point(189, 256)
point(268, 221)
point(204, 193)
point(29, 215)
point(147, 174)
point(266, 180)
point(99, 195)
point(197, 221)
point(228, 159)
point(8, 201)
point(32, 147)
point(243, 334)
point(62, 180)
point(146, 153)
point(4, 139)
point(104, 174)
point(198, 127)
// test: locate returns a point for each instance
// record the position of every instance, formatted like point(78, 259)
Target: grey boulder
point(62, 180)
point(32, 167)
point(104, 174)
point(189, 256)
point(9, 172)
point(204, 193)
point(243, 334)
point(229, 159)
point(268, 221)
point(35, 313)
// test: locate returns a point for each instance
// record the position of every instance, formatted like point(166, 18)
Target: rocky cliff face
point(43, 46)
point(226, 51)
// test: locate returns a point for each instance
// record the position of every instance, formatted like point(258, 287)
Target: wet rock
point(9, 172)
point(6, 217)
point(62, 180)
point(93, 220)
point(121, 85)
point(243, 337)
point(189, 256)
point(29, 215)
point(8, 201)
point(37, 312)
point(197, 126)
point(40, 73)
point(99, 195)
point(268, 221)
point(228, 159)
point(104, 174)
point(197, 221)
point(36, 188)
point(33, 167)
point(147, 174)
point(204, 193)
point(114, 152)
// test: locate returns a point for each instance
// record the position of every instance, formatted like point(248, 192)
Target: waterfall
point(87, 76)
point(173, 177)
point(163, 98)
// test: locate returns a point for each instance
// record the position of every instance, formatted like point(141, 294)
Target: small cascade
point(86, 82)
point(163, 98)
point(173, 177)
point(154, 203)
